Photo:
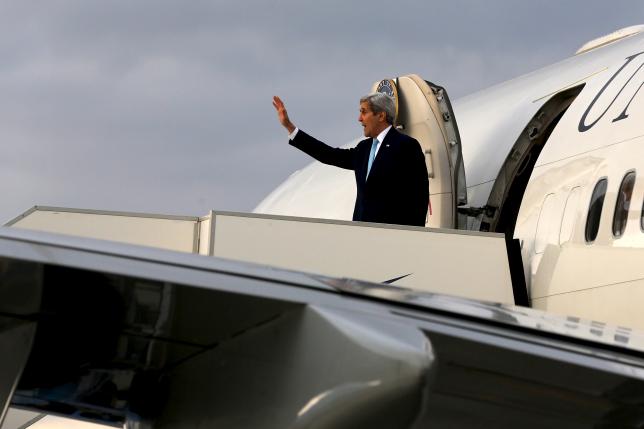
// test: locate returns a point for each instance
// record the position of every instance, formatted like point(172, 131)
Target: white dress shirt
point(380, 138)
point(292, 135)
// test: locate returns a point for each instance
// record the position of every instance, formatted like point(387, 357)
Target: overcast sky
point(165, 107)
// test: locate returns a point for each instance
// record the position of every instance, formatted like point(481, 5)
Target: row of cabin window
point(621, 207)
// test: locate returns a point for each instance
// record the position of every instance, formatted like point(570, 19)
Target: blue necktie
point(372, 155)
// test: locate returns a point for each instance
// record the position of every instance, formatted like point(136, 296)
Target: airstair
point(476, 265)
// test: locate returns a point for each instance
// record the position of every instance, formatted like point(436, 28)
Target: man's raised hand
point(282, 114)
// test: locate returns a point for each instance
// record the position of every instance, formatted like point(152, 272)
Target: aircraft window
point(569, 216)
point(595, 210)
point(623, 204)
point(642, 218)
point(548, 224)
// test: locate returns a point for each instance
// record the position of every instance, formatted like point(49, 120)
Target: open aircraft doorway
point(504, 202)
point(424, 112)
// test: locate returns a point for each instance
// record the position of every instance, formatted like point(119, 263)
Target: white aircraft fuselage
point(534, 149)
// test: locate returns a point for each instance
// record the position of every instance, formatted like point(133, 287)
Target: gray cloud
point(164, 106)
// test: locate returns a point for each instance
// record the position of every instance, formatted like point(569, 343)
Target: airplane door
point(425, 113)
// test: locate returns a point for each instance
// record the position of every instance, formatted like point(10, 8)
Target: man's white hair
point(379, 102)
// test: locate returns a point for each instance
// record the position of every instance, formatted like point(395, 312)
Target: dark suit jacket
point(397, 189)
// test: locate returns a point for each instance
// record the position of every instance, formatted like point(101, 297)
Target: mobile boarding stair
point(475, 265)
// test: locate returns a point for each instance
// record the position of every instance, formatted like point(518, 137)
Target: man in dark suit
point(390, 170)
